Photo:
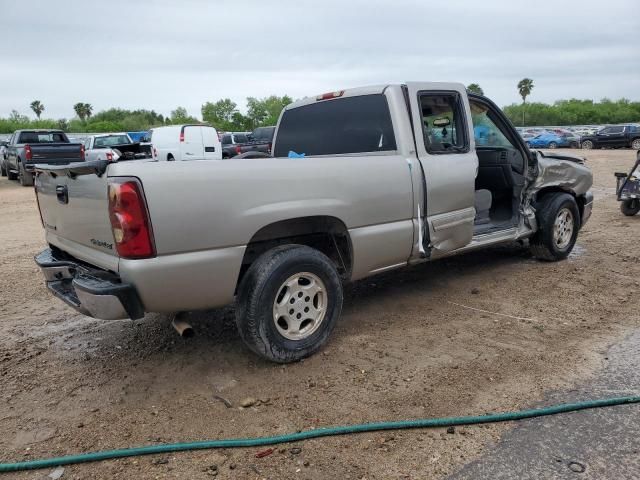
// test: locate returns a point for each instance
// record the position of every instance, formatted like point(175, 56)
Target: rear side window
point(346, 125)
point(226, 140)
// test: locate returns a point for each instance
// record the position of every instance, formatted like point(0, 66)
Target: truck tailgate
point(75, 214)
point(56, 153)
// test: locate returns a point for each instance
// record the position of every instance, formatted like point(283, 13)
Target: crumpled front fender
point(562, 171)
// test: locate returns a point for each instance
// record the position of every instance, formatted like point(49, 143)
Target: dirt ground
point(412, 343)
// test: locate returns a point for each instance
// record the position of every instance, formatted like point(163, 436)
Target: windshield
point(111, 140)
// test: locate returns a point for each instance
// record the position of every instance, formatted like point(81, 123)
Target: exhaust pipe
point(183, 328)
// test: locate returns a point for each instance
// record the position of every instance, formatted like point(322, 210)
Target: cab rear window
point(359, 124)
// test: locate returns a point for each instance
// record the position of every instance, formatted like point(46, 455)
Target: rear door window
point(359, 124)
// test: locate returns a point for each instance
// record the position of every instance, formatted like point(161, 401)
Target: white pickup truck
point(361, 181)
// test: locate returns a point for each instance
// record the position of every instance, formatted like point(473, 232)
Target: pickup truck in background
point(26, 148)
point(613, 136)
point(232, 143)
point(114, 147)
point(391, 176)
point(260, 140)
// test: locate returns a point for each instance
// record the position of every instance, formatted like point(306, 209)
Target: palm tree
point(79, 109)
point(475, 88)
point(37, 108)
point(83, 110)
point(524, 88)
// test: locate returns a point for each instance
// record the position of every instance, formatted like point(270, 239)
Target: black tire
point(630, 207)
point(635, 143)
point(170, 158)
point(26, 178)
point(10, 174)
point(3, 169)
point(543, 244)
point(259, 289)
point(587, 145)
point(553, 145)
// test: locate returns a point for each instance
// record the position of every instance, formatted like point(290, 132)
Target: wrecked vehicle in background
point(361, 181)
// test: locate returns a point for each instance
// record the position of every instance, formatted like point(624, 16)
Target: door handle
point(62, 193)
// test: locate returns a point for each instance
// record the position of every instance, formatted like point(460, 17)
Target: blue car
point(549, 140)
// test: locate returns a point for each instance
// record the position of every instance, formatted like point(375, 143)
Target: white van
point(185, 142)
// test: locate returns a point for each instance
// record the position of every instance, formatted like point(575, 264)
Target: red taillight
point(130, 219)
point(109, 156)
point(27, 152)
point(181, 135)
point(155, 152)
point(82, 152)
point(238, 149)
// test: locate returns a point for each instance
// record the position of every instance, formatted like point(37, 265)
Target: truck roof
point(349, 92)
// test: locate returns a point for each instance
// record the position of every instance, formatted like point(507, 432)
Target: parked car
point(553, 140)
point(113, 146)
point(260, 140)
point(3, 157)
point(614, 136)
point(185, 142)
point(231, 143)
point(26, 148)
point(374, 191)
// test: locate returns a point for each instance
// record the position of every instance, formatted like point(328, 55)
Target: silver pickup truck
point(361, 181)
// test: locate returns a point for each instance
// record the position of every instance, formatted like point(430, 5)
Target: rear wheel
point(635, 144)
point(10, 174)
point(630, 207)
point(553, 145)
point(26, 178)
point(558, 224)
point(587, 145)
point(288, 303)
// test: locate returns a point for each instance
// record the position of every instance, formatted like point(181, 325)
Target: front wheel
point(587, 145)
point(630, 207)
point(558, 224)
point(288, 303)
point(553, 145)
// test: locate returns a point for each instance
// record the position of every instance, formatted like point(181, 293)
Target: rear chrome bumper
point(91, 291)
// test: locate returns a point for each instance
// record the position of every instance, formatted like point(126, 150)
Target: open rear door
point(445, 146)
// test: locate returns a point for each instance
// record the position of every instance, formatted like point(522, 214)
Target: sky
point(163, 54)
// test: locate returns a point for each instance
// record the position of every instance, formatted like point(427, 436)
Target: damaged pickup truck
point(361, 181)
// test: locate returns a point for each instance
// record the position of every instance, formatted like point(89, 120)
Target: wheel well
point(324, 233)
point(580, 200)
point(170, 155)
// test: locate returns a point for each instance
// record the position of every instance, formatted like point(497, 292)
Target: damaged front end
point(561, 172)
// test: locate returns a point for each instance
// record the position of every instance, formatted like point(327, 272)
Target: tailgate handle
point(62, 192)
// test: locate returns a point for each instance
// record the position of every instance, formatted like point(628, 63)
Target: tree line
point(225, 115)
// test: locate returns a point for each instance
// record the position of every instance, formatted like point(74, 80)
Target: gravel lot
point(406, 347)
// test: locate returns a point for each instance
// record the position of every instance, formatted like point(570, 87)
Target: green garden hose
point(319, 432)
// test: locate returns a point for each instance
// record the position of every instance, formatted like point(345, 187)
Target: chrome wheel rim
point(636, 144)
point(587, 145)
point(563, 228)
point(300, 306)
point(552, 145)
